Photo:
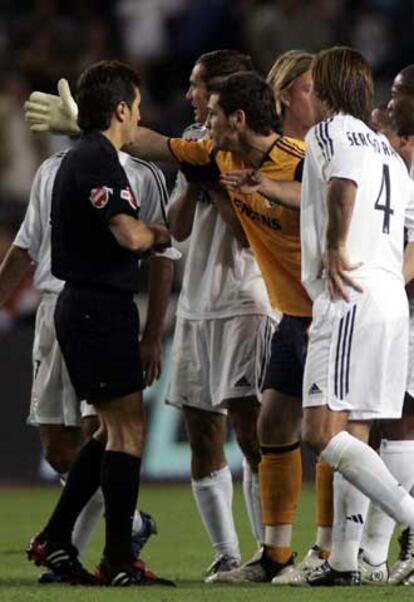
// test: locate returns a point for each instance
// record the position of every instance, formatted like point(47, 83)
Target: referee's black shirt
point(89, 189)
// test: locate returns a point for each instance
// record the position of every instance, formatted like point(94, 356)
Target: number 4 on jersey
point(386, 207)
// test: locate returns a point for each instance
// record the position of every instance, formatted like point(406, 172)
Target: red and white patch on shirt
point(127, 195)
point(99, 197)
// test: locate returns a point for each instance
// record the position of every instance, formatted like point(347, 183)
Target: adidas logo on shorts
point(314, 389)
point(242, 382)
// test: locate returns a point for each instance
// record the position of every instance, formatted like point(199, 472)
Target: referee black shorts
point(288, 355)
point(98, 332)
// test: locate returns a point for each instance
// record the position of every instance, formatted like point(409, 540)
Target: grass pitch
point(180, 551)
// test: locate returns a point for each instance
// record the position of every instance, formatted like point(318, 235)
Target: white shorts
point(357, 355)
point(410, 374)
point(219, 359)
point(53, 398)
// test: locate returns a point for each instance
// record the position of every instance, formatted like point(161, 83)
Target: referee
point(96, 235)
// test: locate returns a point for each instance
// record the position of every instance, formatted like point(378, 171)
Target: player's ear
point(285, 98)
point(237, 120)
point(120, 111)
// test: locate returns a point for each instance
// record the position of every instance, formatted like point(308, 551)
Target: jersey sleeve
point(342, 158)
point(285, 161)
point(110, 194)
point(148, 185)
point(193, 152)
point(196, 158)
point(339, 155)
point(154, 197)
point(180, 186)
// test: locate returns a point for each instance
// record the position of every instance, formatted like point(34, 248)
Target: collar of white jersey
point(123, 157)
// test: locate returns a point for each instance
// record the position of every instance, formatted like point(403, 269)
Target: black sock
point(83, 480)
point(120, 484)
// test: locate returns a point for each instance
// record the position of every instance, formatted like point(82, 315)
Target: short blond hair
point(288, 67)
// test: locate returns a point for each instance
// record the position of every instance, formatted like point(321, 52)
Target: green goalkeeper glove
point(50, 113)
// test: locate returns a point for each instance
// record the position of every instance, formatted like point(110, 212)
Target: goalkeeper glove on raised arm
point(50, 113)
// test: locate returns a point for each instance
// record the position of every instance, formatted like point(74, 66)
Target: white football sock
point(87, 520)
point(252, 500)
point(398, 456)
point(363, 467)
point(350, 509)
point(214, 496)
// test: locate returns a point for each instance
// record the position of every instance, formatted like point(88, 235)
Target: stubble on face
point(197, 94)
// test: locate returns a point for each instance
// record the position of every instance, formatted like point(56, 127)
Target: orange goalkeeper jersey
point(272, 231)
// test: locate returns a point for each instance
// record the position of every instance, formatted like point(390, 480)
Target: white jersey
point(147, 184)
point(221, 278)
point(344, 147)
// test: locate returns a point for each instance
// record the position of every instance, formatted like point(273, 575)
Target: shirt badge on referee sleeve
point(99, 197)
point(127, 195)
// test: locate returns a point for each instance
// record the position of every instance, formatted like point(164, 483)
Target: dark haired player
point(96, 236)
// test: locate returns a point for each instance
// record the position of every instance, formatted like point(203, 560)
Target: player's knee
point(125, 427)
point(127, 436)
point(207, 451)
point(275, 432)
point(264, 429)
point(203, 445)
point(249, 445)
point(206, 434)
point(313, 438)
point(60, 457)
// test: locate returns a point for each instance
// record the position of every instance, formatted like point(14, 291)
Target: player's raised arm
point(150, 145)
point(50, 113)
point(250, 181)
